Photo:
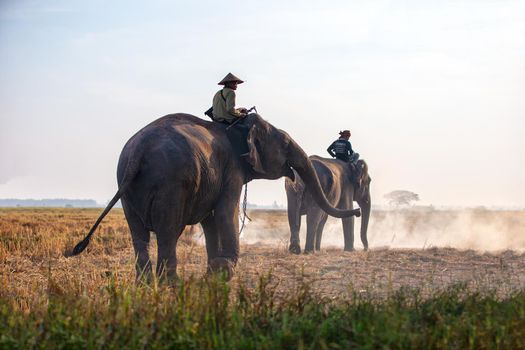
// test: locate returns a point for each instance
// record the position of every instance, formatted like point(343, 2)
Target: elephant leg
point(365, 208)
point(141, 238)
point(226, 216)
point(294, 221)
point(348, 231)
point(364, 239)
point(211, 233)
point(167, 252)
point(229, 235)
point(313, 218)
point(168, 225)
point(319, 232)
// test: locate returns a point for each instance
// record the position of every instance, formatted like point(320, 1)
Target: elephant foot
point(295, 249)
point(308, 251)
point(350, 249)
point(221, 266)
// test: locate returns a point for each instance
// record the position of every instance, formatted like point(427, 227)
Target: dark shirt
point(341, 149)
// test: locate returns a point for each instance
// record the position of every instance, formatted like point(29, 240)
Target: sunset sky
point(433, 91)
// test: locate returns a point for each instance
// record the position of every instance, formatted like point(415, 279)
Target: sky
point(433, 91)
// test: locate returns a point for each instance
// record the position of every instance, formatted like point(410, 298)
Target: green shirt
point(224, 108)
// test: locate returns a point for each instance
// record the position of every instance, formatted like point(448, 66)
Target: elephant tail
point(131, 171)
point(79, 248)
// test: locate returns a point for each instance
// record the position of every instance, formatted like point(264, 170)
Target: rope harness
point(244, 204)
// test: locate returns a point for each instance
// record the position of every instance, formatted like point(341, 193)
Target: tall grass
point(207, 314)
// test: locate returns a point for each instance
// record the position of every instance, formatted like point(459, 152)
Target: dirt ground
point(32, 246)
point(402, 253)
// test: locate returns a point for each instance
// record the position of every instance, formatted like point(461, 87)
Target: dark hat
point(230, 78)
point(344, 133)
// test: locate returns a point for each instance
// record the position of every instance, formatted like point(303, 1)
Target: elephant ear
point(357, 172)
point(362, 172)
point(252, 157)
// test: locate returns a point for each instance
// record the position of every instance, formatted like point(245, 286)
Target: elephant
point(182, 170)
point(338, 181)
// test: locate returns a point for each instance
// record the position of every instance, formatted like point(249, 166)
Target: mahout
point(181, 170)
point(342, 183)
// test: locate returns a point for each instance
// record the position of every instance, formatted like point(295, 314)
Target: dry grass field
point(33, 242)
point(409, 291)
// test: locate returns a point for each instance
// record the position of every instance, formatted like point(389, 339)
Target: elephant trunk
point(304, 167)
point(365, 208)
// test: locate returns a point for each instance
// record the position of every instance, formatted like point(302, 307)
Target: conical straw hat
point(230, 78)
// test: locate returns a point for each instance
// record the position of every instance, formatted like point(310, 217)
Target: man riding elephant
point(224, 110)
point(342, 149)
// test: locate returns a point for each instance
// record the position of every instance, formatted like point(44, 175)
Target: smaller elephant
point(342, 184)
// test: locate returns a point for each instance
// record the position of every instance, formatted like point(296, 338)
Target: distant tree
point(401, 197)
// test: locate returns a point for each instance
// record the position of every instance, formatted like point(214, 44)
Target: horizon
point(434, 92)
point(274, 204)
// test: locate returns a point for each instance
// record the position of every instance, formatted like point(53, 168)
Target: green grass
point(210, 314)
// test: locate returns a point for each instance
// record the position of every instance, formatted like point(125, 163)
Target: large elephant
point(339, 182)
point(182, 170)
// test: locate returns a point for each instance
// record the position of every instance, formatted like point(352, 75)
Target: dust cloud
point(477, 229)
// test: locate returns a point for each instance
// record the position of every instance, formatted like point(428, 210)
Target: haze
point(433, 92)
